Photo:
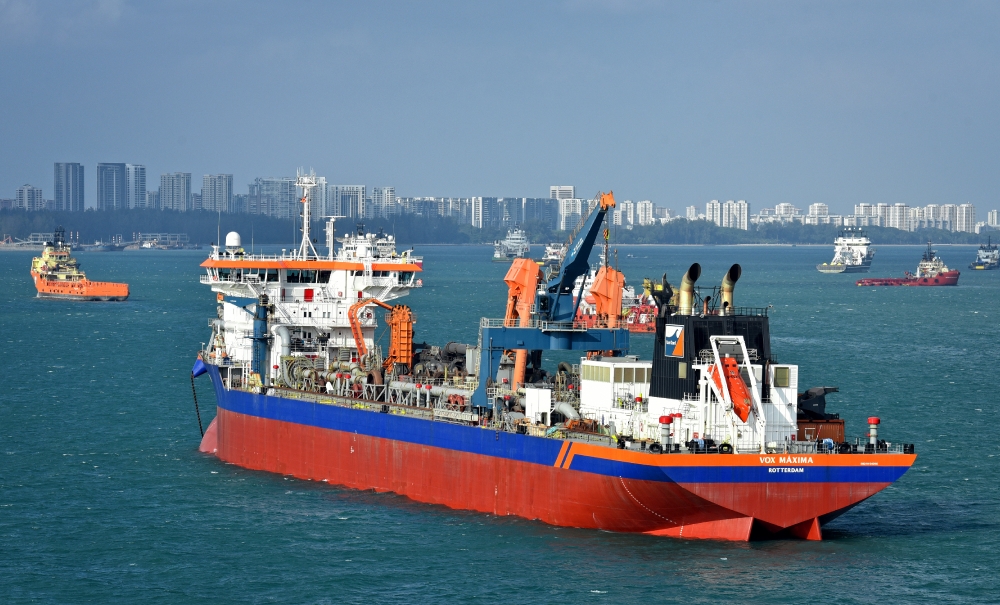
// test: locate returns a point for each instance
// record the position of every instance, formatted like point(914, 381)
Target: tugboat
point(710, 438)
point(930, 272)
point(987, 258)
point(58, 275)
point(515, 245)
point(851, 253)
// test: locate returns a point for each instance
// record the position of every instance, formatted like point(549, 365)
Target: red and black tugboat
point(930, 272)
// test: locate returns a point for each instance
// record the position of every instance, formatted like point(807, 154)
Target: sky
point(676, 102)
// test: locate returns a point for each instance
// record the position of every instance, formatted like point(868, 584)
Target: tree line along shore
point(204, 227)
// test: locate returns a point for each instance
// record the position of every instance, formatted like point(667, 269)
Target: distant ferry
point(58, 275)
point(987, 258)
point(852, 253)
point(515, 245)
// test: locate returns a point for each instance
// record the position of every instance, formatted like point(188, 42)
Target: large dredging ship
point(711, 438)
point(58, 275)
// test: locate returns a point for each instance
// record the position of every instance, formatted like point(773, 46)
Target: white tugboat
point(515, 245)
point(852, 253)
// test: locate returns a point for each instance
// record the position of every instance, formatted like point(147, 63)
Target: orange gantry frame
point(607, 292)
point(400, 320)
point(522, 281)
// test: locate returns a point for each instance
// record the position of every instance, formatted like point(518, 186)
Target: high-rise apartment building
point(626, 213)
point(67, 183)
point(274, 196)
point(152, 200)
point(175, 191)
point(645, 212)
point(991, 218)
point(135, 186)
point(949, 214)
point(345, 200)
point(111, 187)
point(484, 212)
point(241, 203)
point(819, 209)
point(317, 198)
point(29, 198)
point(713, 212)
point(383, 203)
point(736, 215)
point(562, 192)
point(691, 213)
point(217, 192)
point(897, 216)
point(570, 211)
point(965, 218)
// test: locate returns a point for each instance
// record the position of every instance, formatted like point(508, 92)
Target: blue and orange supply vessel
point(709, 439)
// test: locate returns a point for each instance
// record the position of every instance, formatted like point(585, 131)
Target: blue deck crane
point(553, 328)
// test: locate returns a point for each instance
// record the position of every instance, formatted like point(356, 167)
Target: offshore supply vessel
point(58, 275)
point(709, 439)
point(987, 257)
point(931, 271)
point(852, 253)
point(515, 245)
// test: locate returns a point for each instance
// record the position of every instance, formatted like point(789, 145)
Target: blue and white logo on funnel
point(673, 341)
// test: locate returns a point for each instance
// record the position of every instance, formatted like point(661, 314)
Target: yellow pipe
point(685, 301)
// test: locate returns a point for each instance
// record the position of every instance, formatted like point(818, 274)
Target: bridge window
point(324, 277)
point(291, 277)
point(308, 277)
point(781, 377)
point(272, 275)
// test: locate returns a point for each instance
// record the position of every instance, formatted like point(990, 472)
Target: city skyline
point(133, 182)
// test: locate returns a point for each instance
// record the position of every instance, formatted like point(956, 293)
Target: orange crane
point(522, 282)
point(400, 319)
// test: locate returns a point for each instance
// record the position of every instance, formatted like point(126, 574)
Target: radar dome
point(233, 240)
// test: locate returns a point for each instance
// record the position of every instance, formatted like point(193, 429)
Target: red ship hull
point(948, 278)
point(565, 483)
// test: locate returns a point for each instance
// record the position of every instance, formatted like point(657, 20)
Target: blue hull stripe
point(521, 448)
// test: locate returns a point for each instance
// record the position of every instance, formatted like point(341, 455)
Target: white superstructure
point(852, 253)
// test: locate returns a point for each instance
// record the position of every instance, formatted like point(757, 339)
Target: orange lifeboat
point(734, 382)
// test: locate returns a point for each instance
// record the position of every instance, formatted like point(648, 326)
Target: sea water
point(104, 497)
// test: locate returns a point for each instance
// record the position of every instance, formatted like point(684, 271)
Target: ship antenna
point(306, 182)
